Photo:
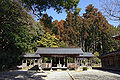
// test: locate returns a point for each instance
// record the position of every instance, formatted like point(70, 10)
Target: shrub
point(85, 68)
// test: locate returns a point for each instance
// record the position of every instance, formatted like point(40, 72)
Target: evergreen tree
point(98, 39)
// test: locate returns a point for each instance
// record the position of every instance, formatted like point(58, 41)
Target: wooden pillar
point(67, 61)
point(22, 64)
point(26, 62)
point(74, 59)
point(64, 61)
point(39, 62)
point(116, 60)
point(88, 62)
point(59, 60)
point(75, 62)
point(51, 65)
point(41, 59)
point(22, 61)
point(81, 62)
point(91, 62)
point(51, 62)
point(30, 62)
point(34, 62)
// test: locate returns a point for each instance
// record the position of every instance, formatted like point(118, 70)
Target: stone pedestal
point(59, 70)
point(79, 69)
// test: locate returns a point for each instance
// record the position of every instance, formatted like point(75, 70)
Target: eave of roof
point(86, 54)
point(117, 37)
point(30, 55)
point(110, 53)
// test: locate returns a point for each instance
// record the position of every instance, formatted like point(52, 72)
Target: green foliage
point(63, 44)
point(18, 33)
point(72, 29)
point(42, 5)
point(48, 41)
point(99, 38)
point(70, 60)
point(46, 23)
point(46, 60)
point(96, 54)
point(55, 27)
point(85, 68)
point(96, 60)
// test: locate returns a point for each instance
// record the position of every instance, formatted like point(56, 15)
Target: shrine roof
point(59, 51)
point(32, 55)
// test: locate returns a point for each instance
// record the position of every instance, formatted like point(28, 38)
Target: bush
point(85, 68)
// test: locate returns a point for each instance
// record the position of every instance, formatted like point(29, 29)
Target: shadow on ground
point(108, 70)
point(21, 75)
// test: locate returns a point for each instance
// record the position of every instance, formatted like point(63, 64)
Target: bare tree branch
point(111, 9)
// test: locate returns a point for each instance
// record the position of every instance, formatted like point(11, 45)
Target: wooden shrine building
point(49, 58)
point(30, 59)
point(111, 60)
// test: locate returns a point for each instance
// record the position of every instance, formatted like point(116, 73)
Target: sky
point(82, 4)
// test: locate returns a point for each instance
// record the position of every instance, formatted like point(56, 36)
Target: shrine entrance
point(59, 62)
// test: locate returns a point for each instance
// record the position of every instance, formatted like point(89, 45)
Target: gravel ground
point(60, 75)
point(63, 75)
point(21, 75)
point(95, 75)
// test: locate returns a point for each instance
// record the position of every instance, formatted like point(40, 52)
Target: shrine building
point(57, 58)
point(111, 60)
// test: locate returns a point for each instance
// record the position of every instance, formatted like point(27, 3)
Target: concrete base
point(41, 70)
point(79, 69)
point(89, 67)
point(51, 70)
point(59, 70)
point(67, 70)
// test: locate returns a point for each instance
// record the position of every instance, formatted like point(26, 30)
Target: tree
point(46, 22)
point(111, 8)
point(55, 28)
point(72, 29)
point(48, 41)
point(99, 38)
point(63, 44)
point(42, 5)
point(118, 26)
point(18, 32)
point(60, 27)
